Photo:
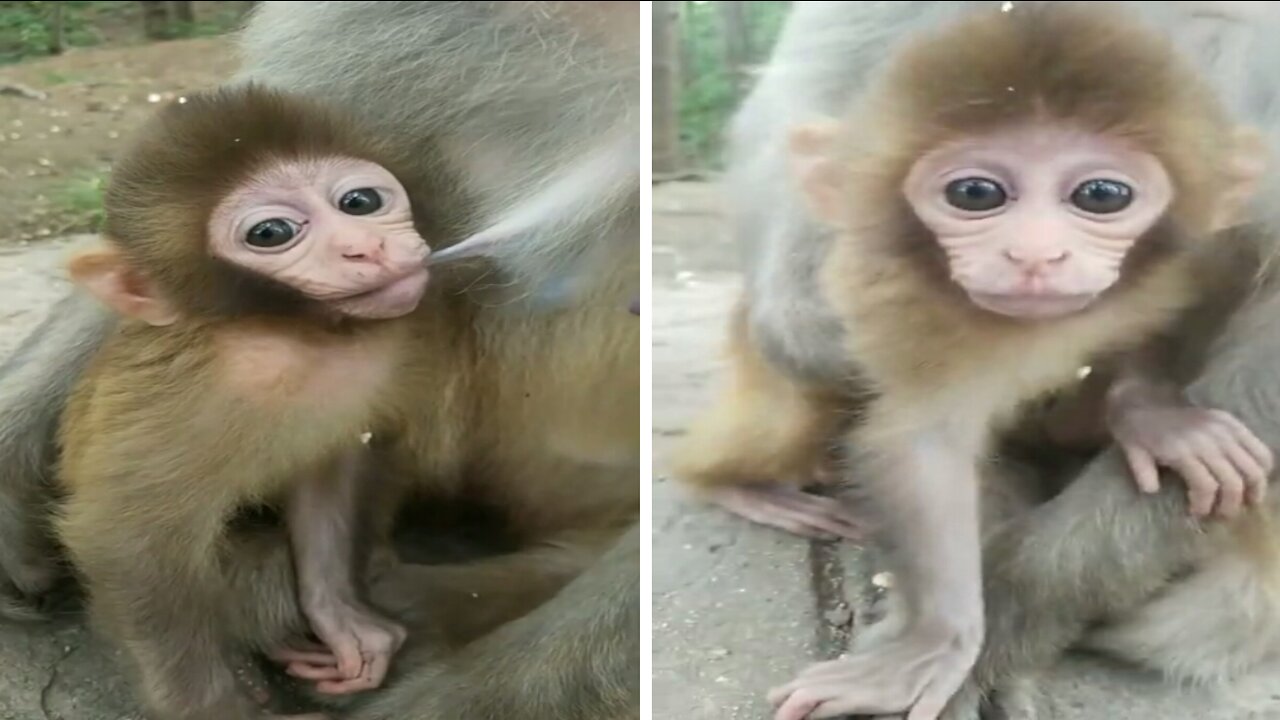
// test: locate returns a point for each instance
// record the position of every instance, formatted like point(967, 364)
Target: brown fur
point(191, 154)
point(174, 428)
point(911, 331)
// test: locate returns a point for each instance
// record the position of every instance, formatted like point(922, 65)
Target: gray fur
point(597, 612)
point(490, 111)
point(34, 383)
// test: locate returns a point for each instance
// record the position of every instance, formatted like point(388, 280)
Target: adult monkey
point(536, 106)
point(1099, 551)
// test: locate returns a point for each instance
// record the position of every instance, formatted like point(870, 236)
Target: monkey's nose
point(367, 248)
point(1036, 260)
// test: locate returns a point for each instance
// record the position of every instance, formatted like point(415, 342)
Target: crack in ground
point(835, 617)
point(845, 598)
point(53, 678)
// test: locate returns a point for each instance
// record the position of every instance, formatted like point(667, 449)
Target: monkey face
point(1036, 221)
point(337, 230)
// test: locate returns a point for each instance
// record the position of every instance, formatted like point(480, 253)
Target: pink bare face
point(337, 229)
point(1036, 220)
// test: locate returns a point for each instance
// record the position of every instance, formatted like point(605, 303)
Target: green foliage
point(26, 28)
point(79, 201)
point(710, 90)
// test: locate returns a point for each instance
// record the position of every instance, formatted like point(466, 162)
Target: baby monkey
point(1021, 194)
point(259, 252)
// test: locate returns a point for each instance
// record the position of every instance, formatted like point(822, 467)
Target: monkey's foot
point(358, 647)
point(788, 508)
point(916, 675)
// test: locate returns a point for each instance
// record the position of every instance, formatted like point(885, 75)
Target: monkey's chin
point(1033, 307)
point(398, 298)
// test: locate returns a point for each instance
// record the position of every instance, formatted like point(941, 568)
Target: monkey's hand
point(1223, 463)
point(917, 673)
point(360, 644)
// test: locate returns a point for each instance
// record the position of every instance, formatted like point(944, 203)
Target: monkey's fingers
point(371, 677)
point(1255, 473)
point(346, 648)
point(315, 673)
point(1143, 466)
point(1250, 441)
point(319, 656)
point(1202, 489)
point(1231, 482)
point(834, 700)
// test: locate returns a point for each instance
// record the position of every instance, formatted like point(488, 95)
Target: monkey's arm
point(1100, 549)
point(926, 490)
point(1224, 465)
point(323, 513)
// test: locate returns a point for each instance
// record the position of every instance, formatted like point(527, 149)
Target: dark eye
point(270, 233)
point(360, 202)
point(1102, 196)
point(975, 194)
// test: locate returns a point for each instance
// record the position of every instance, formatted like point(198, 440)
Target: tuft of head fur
point(188, 158)
point(1085, 65)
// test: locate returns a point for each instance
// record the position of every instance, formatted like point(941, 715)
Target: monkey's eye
point(975, 194)
point(270, 233)
point(1102, 197)
point(360, 202)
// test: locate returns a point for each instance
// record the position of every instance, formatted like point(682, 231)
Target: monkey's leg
point(452, 604)
point(763, 439)
point(575, 657)
point(323, 514)
point(34, 384)
point(1175, 634)
point(1101, 549)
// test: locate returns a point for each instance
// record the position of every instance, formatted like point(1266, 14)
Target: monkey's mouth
point(1033, 306)
point(393, 299)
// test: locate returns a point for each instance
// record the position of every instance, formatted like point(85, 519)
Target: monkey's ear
point(821, 178)
point(1250, 156)
point(108, 276)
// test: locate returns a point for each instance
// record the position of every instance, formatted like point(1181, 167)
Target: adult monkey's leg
point(473, 650)
point(1102, 551)
point(576, 657)
point(34, 383)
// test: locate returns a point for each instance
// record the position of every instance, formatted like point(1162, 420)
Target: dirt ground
point(57, 142)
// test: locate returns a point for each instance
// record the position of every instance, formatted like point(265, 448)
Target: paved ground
point(738, 609)
point(51, 671)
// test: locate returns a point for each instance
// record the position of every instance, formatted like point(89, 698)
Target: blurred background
point(75, 79)
point(705, 57)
